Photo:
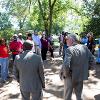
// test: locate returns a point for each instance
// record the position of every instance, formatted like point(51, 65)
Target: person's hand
point(67, 73)
point(43, 87)
point(61, 75)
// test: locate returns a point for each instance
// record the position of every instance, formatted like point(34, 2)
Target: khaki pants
point(37, 50)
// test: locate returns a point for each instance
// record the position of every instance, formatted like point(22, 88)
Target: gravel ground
point(54, 86)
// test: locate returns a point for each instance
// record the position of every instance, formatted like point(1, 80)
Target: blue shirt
point(36, 40)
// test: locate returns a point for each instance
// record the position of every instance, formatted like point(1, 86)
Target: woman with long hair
point(44, 46)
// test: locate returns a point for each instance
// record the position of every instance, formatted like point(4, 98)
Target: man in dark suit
point(75, 67)
point(28, 70)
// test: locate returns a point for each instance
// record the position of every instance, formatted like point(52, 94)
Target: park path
point(54, 86)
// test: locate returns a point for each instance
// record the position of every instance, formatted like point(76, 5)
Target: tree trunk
point(43, 17)
point(51, 7)
point(47, 21)
point(50, 22)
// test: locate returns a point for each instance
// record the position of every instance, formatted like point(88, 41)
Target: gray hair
point(27, 45)
point(73, 36)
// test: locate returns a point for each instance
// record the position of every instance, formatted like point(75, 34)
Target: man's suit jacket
point(28, 69)
point(76, 63)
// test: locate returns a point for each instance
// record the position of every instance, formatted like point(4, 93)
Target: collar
point(75, 43)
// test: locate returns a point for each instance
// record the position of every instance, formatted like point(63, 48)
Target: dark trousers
point(0, 70)
point(51, 51)
point(13, 56)
point(32, 95)
point(44, 53)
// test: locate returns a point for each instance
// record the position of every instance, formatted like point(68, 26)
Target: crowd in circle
point(41, 44)
point(29, 54)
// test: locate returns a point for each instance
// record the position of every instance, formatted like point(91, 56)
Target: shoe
point(8, 77)
point(2, 81)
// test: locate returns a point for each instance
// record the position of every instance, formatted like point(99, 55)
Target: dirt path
point(54, 86)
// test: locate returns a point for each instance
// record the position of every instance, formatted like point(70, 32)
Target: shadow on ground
point(55, 90)
point(11, 96)
point(97, 71)
point(9, 80)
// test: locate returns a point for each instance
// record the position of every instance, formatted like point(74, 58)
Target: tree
point(94, 19)
point(5, 26)
point(4, 21)
point(47, 13)
point(18, 9)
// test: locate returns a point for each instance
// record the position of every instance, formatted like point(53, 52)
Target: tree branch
point(53, 4)
point(41, 10)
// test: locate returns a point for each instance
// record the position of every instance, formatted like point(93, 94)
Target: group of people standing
point(28, 66)
point(15, 46)
point(41, 44)
point(87, 39)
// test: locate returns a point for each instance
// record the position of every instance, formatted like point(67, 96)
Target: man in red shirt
point(16, 47)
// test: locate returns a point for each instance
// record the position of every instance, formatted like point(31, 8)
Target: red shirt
point(16, 47)
point(3, 51)
point(44, 43)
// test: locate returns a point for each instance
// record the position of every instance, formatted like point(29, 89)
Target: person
point(20, 39)
point(50, 46)
point(29, 72)
point(29, 37)
point(4, 61)
point(64, 45)
point(84, 38)
point(37, 43)
point(44, 46)
point(91, 43)
point(15, 46)
point(75, 67)
point(61, 39)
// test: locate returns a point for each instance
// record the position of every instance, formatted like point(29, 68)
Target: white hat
point(15, 35)
point(20, 34)
point(44, 33)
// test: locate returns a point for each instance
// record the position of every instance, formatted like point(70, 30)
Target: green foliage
point(7, 33)
point(18, 9)
point(53, 15)
point(4, 21)
point(93, 26)
point(5, 26)
point(36, 20)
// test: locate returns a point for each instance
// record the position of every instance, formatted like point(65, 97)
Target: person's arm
point(41, 73)
point(65, 70)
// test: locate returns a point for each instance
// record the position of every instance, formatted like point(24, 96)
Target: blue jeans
point(4, 68)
